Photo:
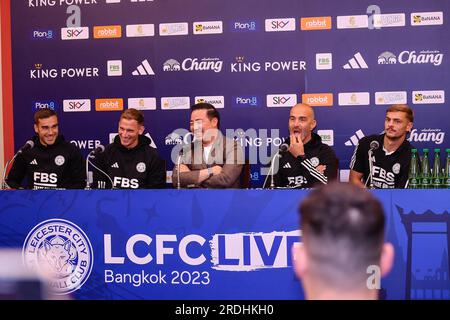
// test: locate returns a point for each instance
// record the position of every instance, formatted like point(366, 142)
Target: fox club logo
point(61, 252)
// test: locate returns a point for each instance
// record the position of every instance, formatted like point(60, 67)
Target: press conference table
point(206, 244)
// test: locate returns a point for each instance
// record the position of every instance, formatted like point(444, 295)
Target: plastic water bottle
point(437, 173)
point(426, 177)
point(447, 170)
point(414, 174)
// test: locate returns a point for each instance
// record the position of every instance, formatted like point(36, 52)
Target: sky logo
point(245, 101)
point(42, 34)
point(244, 26)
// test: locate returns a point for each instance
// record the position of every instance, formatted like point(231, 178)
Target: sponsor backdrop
point(90, 59)
point(168, 244)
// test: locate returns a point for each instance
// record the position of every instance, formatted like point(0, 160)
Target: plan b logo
point(75, 33)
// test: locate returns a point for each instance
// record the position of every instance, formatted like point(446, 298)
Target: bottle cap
point(437, 150)
point(447, 150)
point(426, 150)
point(414, 150)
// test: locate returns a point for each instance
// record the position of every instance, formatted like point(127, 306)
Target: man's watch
point(210, 172)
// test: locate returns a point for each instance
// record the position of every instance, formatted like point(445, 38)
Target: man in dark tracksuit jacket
point(307, 162)
point(52, 163)
point(130, 161)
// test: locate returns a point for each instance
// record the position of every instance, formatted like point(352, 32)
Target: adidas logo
point(287, 166)
point(357, 62)
point(34, 162)
point(355, 138)
point(115, 165)
point(144, 69)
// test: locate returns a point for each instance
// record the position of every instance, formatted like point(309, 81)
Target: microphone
point(28, 145)
point(98, 150)
point(91, 155)
point(284, 147)
point(178, 167)
point(374, 145)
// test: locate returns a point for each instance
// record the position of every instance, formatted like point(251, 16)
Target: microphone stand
point(370, 170)
point(178, 169)
point(88, 186)
point(272, 182)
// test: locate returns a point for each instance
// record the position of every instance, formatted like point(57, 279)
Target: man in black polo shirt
point(391, 153)
point(52, 163)
point(130, 162)
point(308, 162)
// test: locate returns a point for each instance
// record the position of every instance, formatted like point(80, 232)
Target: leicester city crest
point(60, 252)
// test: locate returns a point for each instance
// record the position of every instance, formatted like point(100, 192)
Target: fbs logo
point(324, 61)
point(357, 62)
point(108, 104)
point(208, 27)
point(142, 103)
point(144, 69)
point(315, 23)
point(428, 97)
point(354, 139)
point(173, 29)
point(77, 105)
point(107, 32)
point(140, 30)
point(318, 99)
point(275, 25)
point(281, 100)
point(75, 33)
point(114, 68)
point(327, 136)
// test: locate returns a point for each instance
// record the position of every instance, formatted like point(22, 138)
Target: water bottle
point(447, 170)
point(437, 173)
point(414, 174)
point(426, 177)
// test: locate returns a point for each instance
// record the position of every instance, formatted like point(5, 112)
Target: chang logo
point(59, 250)
point(387, 58)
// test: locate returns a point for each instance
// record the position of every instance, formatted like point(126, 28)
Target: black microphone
point(284, 147)
point(28, 145)
point(374, 145)
point(98, 150)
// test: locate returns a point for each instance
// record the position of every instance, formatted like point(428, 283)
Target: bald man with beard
point(308, 162)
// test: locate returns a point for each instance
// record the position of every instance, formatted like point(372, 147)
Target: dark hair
point(402, 108)
point(44, 114)
point(343, 232)
point(211, 111)
point(133, 114)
